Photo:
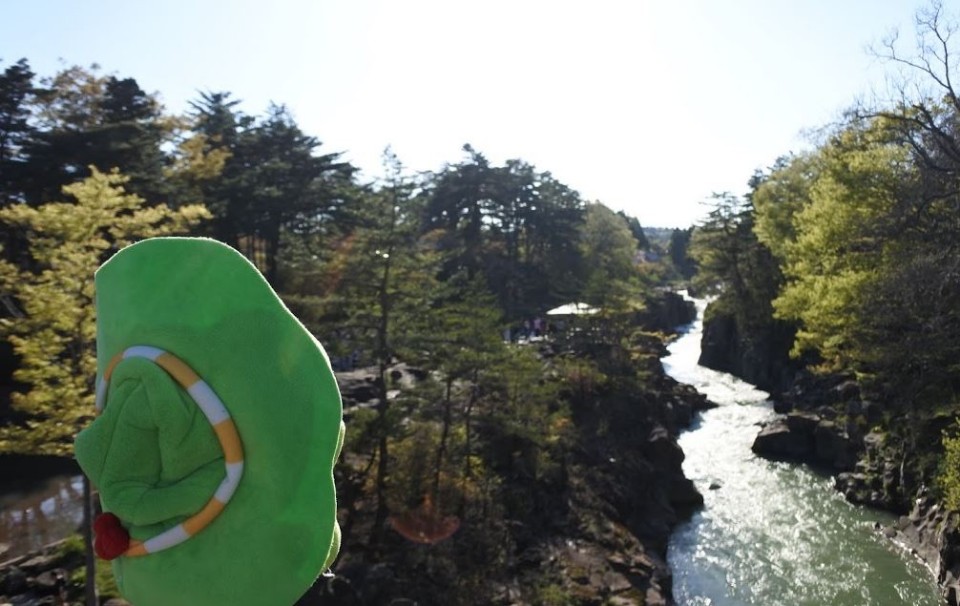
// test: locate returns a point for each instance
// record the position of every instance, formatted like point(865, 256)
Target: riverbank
point(771, 531)
point(827, 423)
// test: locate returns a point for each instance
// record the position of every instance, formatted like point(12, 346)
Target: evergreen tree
point(271, 181)
point(678, 251)
point(16, 91)
point(515, 226)
point(87, 119)
point(382, 293)
point(636, 229)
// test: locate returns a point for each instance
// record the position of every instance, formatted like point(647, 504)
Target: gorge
point(772, 532)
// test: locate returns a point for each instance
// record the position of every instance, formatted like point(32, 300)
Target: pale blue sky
point(647, 106)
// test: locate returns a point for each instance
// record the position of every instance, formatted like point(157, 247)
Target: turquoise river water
point(773, 533)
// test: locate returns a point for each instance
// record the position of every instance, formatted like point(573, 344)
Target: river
point(771, 532)
point(38, 514)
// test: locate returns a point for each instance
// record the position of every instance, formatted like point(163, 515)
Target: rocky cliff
point(594, 532)
point(759, 356)
point(875, 461)
point(880, 453)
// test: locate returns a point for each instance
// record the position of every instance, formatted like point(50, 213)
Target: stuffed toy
point(219, 422)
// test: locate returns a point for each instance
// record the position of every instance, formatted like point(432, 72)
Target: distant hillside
point(659, 237)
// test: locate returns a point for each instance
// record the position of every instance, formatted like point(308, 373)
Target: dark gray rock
point(39, 563)
point(761, 358)
point(683, 494)
point(803, 422)
point(14, 581)
point(777, 440)
point(934, 535)
point(834, 447)
point(358, 386)
point(682, 413)
point(663, 448)
point(848, 391)
point(782, 406)
point(49, 580)
point(825, 441)
point(872, 411)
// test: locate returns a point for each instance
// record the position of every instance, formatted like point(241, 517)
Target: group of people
point(531, 329)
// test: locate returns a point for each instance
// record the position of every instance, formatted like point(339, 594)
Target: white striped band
point(218, 417)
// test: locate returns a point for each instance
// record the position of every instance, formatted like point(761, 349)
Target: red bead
point(112, 539)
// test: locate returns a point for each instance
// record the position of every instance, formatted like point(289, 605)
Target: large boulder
point(804, 423)
point(663, 450)
point(777, 440)
point(834, 446)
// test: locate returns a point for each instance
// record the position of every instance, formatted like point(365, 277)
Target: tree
point(841, 249)
point(87, 119)
point(457, 201)
point(382, 293)
point(742, 271)
point(779, 194)
point(53, 329)
point(678, 251)
point(460, 336)
point(271, 180)
point(515, 226)
point(608, 250)
point(636, 229)
point(287, 186)
point(16, 91)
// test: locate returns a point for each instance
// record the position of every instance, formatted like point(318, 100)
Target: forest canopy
point(89, 161)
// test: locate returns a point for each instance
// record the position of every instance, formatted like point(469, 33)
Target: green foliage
point(270, 178)
point(554, 595)
point(949, 475)
point(838, 255)
point(735, 265)
point(54, 329)
point(103, 578)
point(608, 248)
point(460, 333)
point(91, 119)
point(525, 402)
point(679, 252)
point(779, 196)
point(516, 227)
point(72, 548)
point(71, 551)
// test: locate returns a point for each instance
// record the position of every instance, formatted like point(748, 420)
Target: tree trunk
point(90, 560)
point(442, 448)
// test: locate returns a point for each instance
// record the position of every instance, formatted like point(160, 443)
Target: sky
point(648, 106)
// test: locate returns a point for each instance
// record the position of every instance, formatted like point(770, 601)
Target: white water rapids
point(773, 533)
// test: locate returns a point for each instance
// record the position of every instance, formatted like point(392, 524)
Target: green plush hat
point(220, 425)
